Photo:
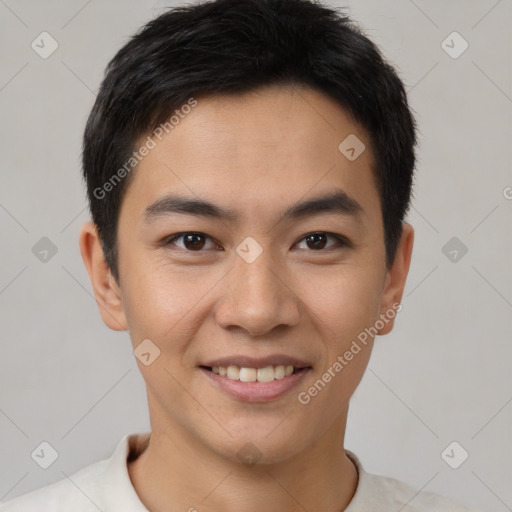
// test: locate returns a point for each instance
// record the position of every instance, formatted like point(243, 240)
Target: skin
point(257, 154)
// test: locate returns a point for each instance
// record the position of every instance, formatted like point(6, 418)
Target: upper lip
point(257, 362)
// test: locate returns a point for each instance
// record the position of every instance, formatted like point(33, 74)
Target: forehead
point(255, 150)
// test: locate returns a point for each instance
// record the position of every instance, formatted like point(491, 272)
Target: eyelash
point(342, 241)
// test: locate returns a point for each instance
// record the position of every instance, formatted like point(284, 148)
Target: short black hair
point(224, 47)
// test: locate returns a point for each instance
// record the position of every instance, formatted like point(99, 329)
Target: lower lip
point(256, 391)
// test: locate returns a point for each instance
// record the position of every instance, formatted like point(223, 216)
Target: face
point(256, 278)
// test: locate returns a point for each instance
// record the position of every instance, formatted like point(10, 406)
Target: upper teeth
point(244, 374)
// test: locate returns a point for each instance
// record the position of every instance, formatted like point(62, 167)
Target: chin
point(257, 447)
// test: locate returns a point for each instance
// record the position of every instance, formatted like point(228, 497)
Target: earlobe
point(106, 290)
point(395, 280)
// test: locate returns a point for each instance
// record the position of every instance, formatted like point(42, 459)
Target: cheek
point(151, 306)
point(164, 303)
point(343, 301)
point(342, 306)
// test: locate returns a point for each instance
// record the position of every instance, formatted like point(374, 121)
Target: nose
point(257, 298)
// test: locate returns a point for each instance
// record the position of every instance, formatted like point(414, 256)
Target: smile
point(255, 384)
point(244, 374)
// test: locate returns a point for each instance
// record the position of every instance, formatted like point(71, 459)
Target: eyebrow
point(337, 202)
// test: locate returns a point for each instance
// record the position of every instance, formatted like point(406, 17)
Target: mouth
point(248, 374)
point(252, 380)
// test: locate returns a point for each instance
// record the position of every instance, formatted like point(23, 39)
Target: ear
point(106, 290)
point(396, 277)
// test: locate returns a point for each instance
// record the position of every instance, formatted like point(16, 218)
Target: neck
point(177, 469)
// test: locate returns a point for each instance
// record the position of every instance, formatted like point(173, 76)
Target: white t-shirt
point(105, 486)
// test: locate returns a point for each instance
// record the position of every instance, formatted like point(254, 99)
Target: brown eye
point(317, 241)
point(193, 242)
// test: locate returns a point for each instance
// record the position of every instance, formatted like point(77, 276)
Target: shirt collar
point(119, 493)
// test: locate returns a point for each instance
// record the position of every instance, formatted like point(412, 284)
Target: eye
point(317, 241)
point(192, 241)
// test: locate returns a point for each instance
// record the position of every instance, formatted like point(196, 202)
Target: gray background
point(442, 375)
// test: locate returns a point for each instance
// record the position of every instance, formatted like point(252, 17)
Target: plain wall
point(442, 375)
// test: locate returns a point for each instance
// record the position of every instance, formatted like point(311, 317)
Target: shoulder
point(103, 485)
point(378, 492)
point(77, 492)
point(400, 494)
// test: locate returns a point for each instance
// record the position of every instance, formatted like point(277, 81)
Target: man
point(249, 165)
